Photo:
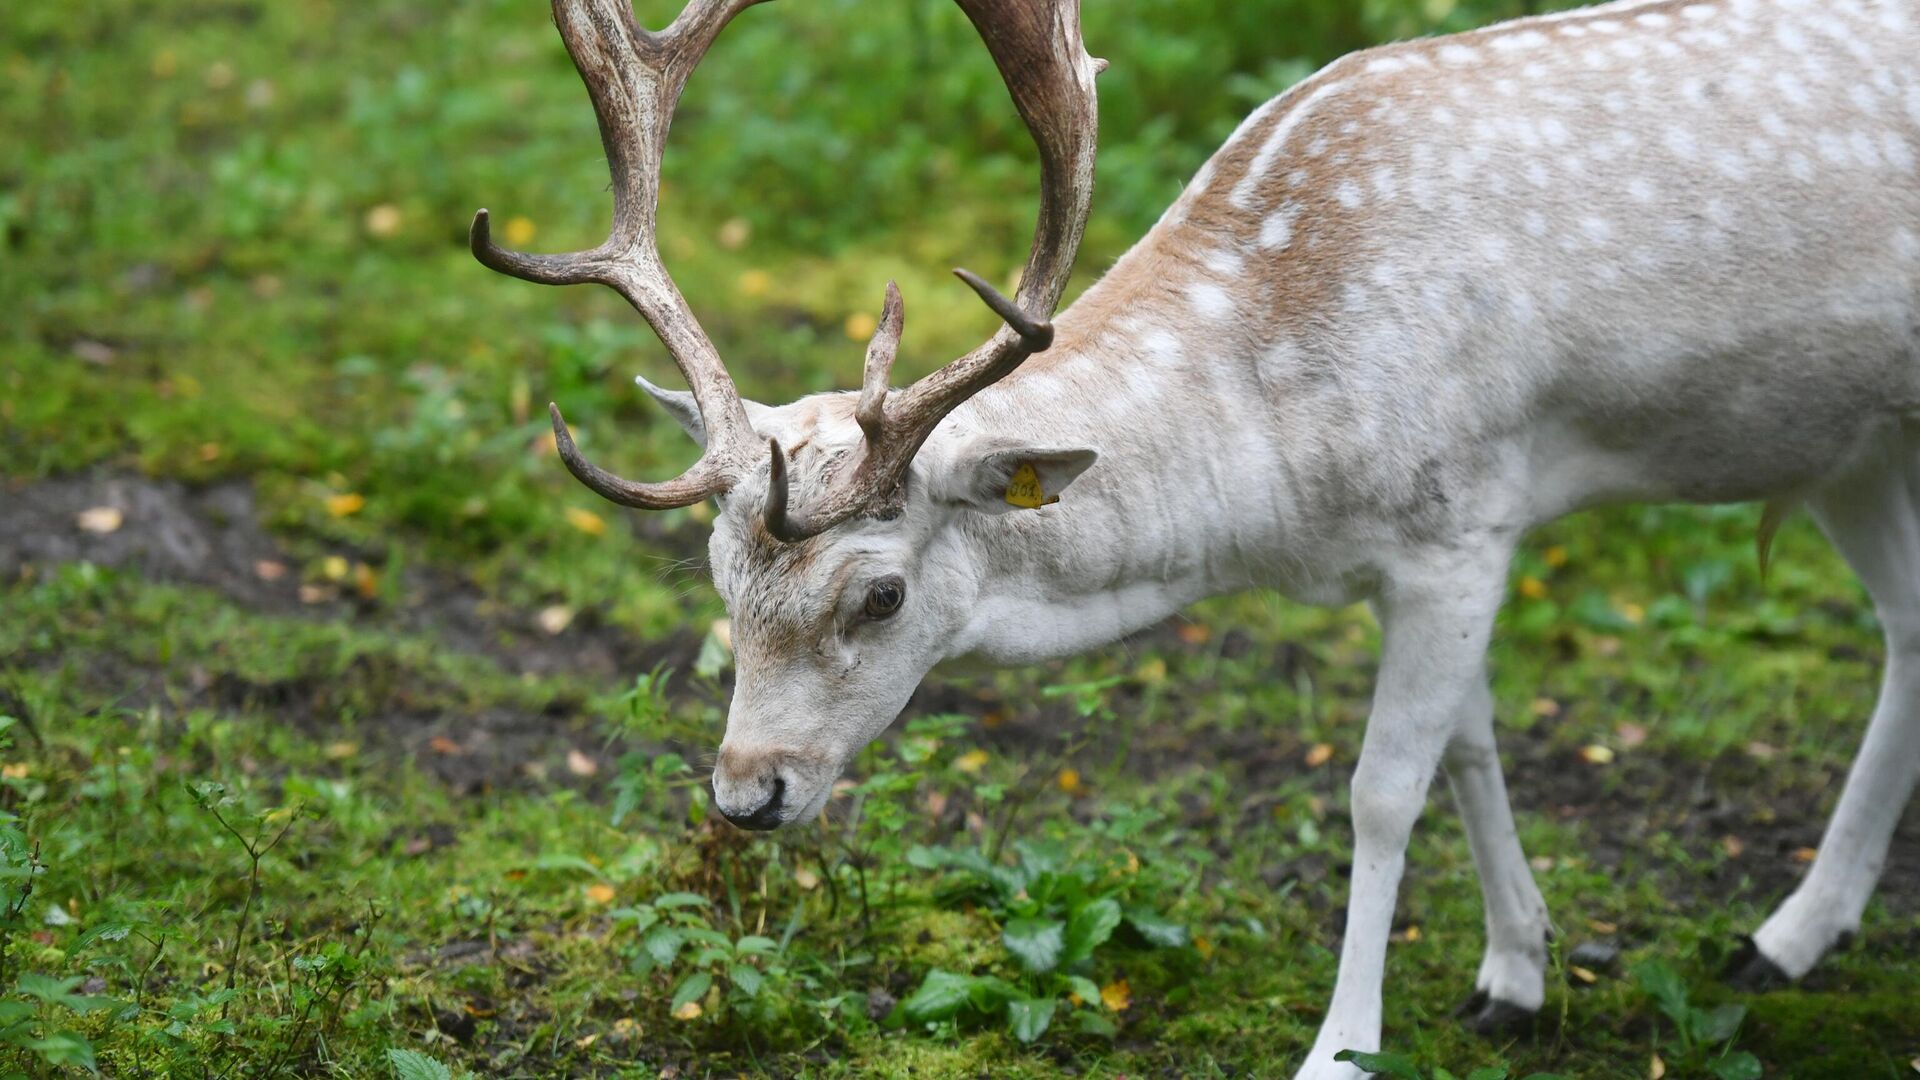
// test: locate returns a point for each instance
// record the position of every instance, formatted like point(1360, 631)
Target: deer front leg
point(1435, 619)
point(1511, 985)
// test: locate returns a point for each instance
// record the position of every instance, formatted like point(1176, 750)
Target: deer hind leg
point(1511, 985)
point(1874, 521)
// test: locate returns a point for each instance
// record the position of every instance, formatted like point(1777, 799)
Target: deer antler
point(1038, 48)
point(634, 78)
point(1043, 60)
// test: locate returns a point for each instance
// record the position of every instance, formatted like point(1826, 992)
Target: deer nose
point(767, 816)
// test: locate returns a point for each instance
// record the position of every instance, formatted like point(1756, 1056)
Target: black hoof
point(1750, 970)
point(1485, 1015)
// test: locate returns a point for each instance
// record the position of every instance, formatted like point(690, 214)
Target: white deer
point(1434, 296)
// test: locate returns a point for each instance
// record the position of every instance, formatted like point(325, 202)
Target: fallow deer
point(1426, 300)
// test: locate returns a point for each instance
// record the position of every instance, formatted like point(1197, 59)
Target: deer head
point(838, 543)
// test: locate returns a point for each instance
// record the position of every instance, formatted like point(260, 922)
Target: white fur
point(1633, 298)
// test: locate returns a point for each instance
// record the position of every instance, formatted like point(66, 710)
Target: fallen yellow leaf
point(101, 520)
point(1555, 556)
point(1585, 975)
point(1116, 995)
point(1656, 1069)
point(334, 568)
point(1733, 846)
point(1203, 946)
point(1412, 935)
point(600, 893)
point(689, 1011)
point(1805, 854)
point(971, 762)
point(860, 325)
point(586, 521)
point(1069, 780)
point(580, 764)
point(1597, 755)
point(554, 618)
point(805, 878)
point(16, 770)
point(337, 751)
point(1533, 588)
point(384, 220)
point(365, 581)
point(346, 505)
point(755, 282)
point(1319, 755)
point(1152, 672)
point(520, 231)
point(1546, 706)
point(1633, 613)
point(1194, 633)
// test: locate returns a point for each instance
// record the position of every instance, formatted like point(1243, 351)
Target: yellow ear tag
point(1023, 489)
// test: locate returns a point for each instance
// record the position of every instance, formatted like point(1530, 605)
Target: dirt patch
point(211, 536)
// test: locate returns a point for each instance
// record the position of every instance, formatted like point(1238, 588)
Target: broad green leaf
point(988, 993)
point(1089, 927)
point(692, 988)
point(1740, 1066)
point(413, 1065)
point(1381, 1064)
point(1488, 1072)
point(1094, 1022)
point(747, 978)
point(45, 987)
point(663, 944)
point(1156, 928)
point(1664, 985)
point(754, 945)
point(681, 899)
point(64, 1048)
point(1028, 1019)
point(113, 931)
point(1036, 943)
point(1041, 856)
point(1088, 990)
point(1717, 1025)
point(941, 996)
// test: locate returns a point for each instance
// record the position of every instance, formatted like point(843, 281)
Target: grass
point(376, 774)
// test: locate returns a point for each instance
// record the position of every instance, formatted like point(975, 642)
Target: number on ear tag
point(1024, 491)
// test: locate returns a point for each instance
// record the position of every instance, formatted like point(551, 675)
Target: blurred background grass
point(251, 217)
point(232, 255)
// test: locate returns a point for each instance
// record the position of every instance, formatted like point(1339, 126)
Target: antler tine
point(1038, 48)
point(634, 78)
point(871, 412)
point(690, 487)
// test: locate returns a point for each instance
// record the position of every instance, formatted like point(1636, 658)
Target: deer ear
point(681, 406)
point(997, 476)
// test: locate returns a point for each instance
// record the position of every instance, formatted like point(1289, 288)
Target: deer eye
point(884, 597)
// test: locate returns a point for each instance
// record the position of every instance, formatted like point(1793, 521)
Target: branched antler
point(635, 78)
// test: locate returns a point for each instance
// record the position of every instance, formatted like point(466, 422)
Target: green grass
point(231, 243)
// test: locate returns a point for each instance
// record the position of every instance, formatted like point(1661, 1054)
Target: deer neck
point(1193, 494)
